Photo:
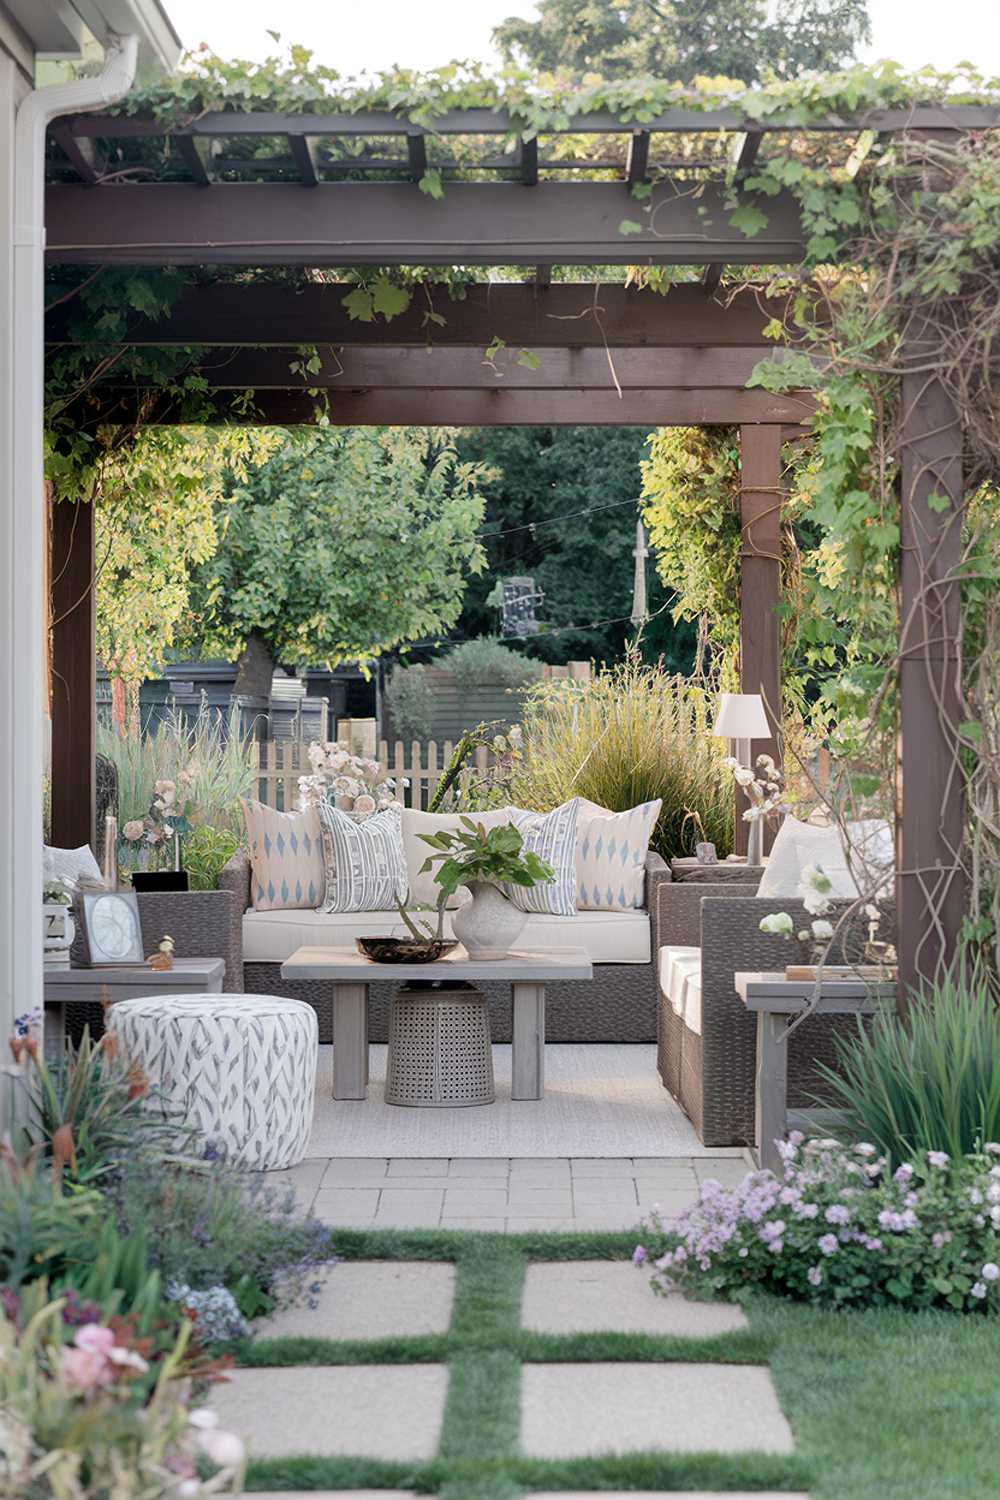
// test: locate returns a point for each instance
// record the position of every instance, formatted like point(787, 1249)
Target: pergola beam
point(352, 223)
point(565, 315)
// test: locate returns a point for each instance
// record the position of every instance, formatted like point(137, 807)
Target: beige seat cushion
point(680, 981)
point(607, 937)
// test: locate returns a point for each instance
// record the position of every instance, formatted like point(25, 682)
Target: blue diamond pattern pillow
point(611, 851)
point(286, 858)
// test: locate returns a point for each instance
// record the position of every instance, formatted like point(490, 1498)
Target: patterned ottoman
point(240, 1069)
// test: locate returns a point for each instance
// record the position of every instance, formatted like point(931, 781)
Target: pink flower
point(829, 1244)
point(95, 1338)
point(83, 1370)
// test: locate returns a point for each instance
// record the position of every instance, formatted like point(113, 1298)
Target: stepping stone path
point(568, 1410)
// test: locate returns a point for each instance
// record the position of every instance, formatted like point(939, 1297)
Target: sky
point(354, 37)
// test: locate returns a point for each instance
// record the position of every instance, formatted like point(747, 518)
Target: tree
point(158, 498)
point(547, 476)
point(345, 543)
point(682, 39)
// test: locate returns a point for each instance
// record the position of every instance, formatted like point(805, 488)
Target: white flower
point(316, 755)
point(120, 1356)
point(223, 1448)
point(133, 829)
point(364, 804)
point(203, 1417)
point(743, 777)
point(822, 929)
point(815, 902)
point(979, 1290)
point(778, 924)
point(730, 763)
point(991, 1271)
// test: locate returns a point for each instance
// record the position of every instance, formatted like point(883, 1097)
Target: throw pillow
point(424, 889)
point(611, 851)
point(364, 862)
point(72, 867)
point(552, 836)
point(286, 857)
point(797, 845)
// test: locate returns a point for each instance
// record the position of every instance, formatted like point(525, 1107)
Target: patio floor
point(601, 1100)
point(514, 1194)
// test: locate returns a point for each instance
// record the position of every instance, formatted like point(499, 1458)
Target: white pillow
point(611, 851)
point(364, 863)
point(72, 867)
point(424, 889)
point(552, 836)
point(797, 845)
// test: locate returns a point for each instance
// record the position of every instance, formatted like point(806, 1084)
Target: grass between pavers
point(884, 1404)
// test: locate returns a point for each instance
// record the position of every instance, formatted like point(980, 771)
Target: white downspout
point(23, 706)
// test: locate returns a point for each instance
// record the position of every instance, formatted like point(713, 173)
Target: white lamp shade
point(742, 716)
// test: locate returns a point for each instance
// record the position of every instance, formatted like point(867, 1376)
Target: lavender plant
point(840, 1229)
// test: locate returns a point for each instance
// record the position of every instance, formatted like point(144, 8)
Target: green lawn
point(885, 1405)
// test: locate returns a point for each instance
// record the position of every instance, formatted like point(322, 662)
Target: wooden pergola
point(343, 192)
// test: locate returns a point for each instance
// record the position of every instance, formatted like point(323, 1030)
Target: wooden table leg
point(350, 1041)
point(772, 1087)
point(528, 1053)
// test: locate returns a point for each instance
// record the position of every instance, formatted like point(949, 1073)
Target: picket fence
point(417, 769)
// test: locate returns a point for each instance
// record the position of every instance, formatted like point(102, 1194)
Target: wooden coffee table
point(351, 974)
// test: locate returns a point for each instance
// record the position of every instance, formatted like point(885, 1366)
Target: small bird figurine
point(164, 957)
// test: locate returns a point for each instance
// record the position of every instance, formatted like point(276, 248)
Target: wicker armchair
point(712, 1073)
point(617, 1005)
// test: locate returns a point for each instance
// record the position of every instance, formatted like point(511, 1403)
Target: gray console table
point(66, 986)
point(351, 973)
point(775, 1000)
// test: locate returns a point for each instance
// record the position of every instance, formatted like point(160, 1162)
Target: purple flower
point(807, 1210)
point(991, 1271)
point(772, 1230)
point(940, 1239)
point(938, 1158)
point(639, 1255)
point(814, 1276)
point(838, 1213)
point(903, 1174)
point(979, 1290)
point(829, 1244)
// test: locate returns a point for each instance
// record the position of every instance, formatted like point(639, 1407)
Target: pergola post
point(760, 583)
point(929, 792)
point(73, 706)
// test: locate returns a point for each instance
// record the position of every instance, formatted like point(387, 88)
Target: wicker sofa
point(618, 1005)
point(708, 1060)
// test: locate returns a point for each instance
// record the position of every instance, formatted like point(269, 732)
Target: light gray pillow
point(76, 868)
point(364, 863)
point(552, 836)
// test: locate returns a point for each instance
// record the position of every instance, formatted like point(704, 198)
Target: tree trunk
point(254, 669)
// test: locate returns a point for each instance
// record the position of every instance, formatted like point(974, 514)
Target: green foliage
point(43, 1230)
point(930, 1081)
point(685, 39)
point(630, 735)
point(545, 476)
point(206, 850)
point(410, 702)
point(347, 542)
point(487, 662)
point(473, 852)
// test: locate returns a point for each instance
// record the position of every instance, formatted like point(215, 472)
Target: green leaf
point(388, 299)
point(938, 503)
point(529, 359)
point(629, 226)
point(431, 183)
point(360, 304)
point(748, 219)
point(642, 190)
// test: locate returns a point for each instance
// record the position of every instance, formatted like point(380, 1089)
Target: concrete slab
point(649, 1495)
point(605, 1296)
point(391, 1412)
point(370, 1495)
point(373, 1299)
point(581, 1411)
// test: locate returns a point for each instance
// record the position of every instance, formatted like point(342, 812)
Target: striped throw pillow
point(611, 856)
point(552, 836)
point(364, 862)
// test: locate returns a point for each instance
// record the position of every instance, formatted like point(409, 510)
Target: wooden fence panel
point(417, 769)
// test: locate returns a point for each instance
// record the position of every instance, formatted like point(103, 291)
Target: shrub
point(43, 1231)
point(928, 1081)
point(487, 663)
point(838, 1229)
point(630, 735)
point(206, 850)
point(410, 702)
point(210, 1225)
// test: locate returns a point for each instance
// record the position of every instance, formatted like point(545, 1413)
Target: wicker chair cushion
point(680, 981)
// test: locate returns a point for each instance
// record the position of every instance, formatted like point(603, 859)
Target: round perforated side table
point(439, 1047)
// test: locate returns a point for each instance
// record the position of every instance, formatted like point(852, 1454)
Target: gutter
point(27, 610)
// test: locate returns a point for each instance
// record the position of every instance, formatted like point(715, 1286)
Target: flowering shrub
point(354, 783)
point(838, 1228)
point(764, 789)
point(213, 1311)
point(80, 1420)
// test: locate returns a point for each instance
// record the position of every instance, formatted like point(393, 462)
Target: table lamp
point(742, 718)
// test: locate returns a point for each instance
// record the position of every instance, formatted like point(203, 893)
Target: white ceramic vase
point(489, 925)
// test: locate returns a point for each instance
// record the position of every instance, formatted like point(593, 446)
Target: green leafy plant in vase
point(484, 860)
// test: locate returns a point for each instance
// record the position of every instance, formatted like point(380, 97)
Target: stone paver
point(599, 1193)
point(391, 1412)
point(654, 1495)
point(599, 1296)
point(373, 1299)
point(581, 1411)
point(380, 1495)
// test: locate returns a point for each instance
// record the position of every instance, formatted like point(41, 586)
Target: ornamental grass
point(634, 733)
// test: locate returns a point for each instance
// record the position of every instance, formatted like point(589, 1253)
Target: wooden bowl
point(408, 950)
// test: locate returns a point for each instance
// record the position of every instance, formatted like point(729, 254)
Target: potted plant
point(484, 860)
